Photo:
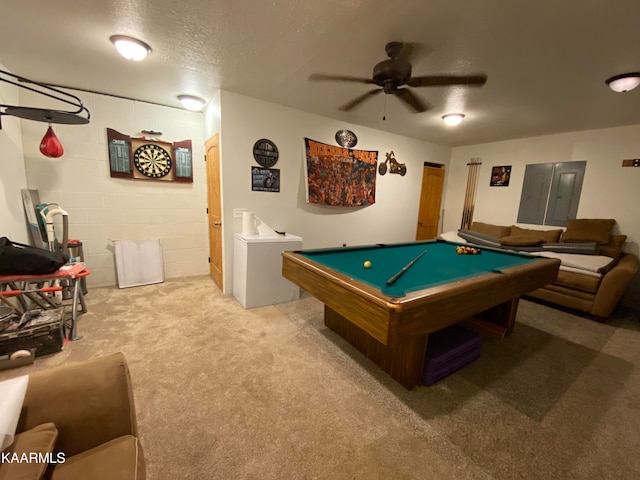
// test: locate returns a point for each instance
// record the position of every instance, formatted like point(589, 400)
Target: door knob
point(217, 224)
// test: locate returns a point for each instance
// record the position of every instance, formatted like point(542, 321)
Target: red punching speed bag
point(50, 146)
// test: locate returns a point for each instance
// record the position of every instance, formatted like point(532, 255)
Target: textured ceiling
point(546, 61)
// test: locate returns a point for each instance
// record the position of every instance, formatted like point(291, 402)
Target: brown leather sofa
point(81, 414)
point(596, 296)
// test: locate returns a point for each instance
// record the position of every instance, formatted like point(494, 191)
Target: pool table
point(390, 324)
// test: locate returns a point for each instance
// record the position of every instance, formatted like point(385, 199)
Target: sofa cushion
point(38, 440)
point(591, 248)
point(613, 249)
point(588, 230)
point(479, 238)
point(451, 236)
point(545, 236)
point(497, 231)
point(520, 241)
point(577, 281)
point(120, 458)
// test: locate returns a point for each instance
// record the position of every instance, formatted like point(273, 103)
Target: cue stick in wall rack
point(474, 187)
point(463, 223)
point(470, 193)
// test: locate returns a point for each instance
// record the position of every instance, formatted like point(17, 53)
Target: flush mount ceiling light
point(453, 119)
point(624, 82)
point(130, 48)
point(191, 103)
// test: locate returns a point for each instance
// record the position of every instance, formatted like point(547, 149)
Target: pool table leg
point(404, 362)
point(498, 321)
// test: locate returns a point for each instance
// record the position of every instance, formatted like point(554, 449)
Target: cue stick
point(393, 279)
point(472, 179)
point(467, 195)
point(463, 223)
point(470, 193)
point(476, 171)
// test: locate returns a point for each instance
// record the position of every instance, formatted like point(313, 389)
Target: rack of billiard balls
point(460, 250)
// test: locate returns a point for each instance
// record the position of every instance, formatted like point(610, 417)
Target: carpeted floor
point(270, 393)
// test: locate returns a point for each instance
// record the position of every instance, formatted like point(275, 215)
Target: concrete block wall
point(102, 209)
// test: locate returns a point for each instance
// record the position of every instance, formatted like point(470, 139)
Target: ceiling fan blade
point(444, 80)
point(358, 100)
point(408, 97)
point(338, 78)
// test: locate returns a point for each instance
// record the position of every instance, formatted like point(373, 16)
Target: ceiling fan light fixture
point(130, 48)
point(624, 82)
point(453, 119)
point(191, 102)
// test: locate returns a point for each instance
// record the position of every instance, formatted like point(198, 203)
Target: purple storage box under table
point(449, 350)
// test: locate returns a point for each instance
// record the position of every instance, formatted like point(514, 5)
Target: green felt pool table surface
point(439, 265)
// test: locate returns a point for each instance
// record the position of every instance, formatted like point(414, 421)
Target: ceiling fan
point(395, 73)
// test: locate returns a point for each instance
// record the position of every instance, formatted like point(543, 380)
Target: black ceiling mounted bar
point(79, 116)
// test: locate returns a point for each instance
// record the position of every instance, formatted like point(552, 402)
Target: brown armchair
point(89, 407)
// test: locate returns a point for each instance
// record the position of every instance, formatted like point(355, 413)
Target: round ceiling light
point(453, 119)
point(191, 103)
point(130, 48)
point(623, 82)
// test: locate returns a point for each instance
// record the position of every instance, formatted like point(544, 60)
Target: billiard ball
point(367, 264)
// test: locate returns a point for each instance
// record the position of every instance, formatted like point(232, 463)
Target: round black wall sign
point(346, 138)
point(265, 152)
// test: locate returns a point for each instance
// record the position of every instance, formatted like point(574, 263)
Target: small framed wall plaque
point(500, 176)
point(265, 179)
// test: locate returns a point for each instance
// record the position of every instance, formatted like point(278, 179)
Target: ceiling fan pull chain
point(384, 113)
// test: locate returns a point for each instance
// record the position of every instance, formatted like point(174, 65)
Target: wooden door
point(214, 210)
point(430, 201)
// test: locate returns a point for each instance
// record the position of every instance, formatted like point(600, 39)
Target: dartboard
point(152, 161)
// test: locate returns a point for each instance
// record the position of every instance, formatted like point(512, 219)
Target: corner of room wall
point(14, 178)
point(212, 116)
